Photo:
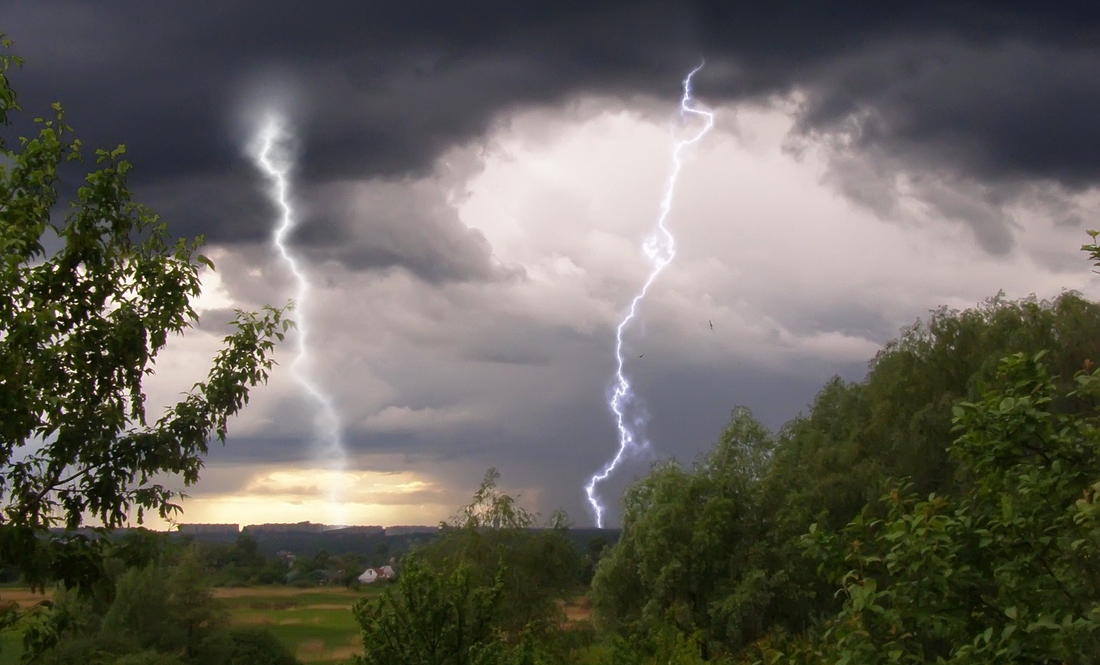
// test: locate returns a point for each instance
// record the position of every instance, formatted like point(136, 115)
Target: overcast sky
point(474, 182)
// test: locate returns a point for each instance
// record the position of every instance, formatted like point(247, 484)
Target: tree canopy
point(487, 591)
point(90, 294)
point(717, 553)
point(1006, 572)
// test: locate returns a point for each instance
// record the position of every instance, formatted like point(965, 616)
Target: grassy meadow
point(316, 623)
point(11, 641)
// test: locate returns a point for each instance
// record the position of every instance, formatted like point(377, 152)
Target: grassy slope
point(11, 641)
point(11, 647)
point(316, 623)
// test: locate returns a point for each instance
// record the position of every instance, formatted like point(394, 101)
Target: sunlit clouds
point(500, 359)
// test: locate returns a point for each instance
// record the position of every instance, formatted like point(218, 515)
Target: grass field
point(11, 641)
point(316, 623)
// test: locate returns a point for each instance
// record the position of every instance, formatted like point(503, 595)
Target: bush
point(257, 646)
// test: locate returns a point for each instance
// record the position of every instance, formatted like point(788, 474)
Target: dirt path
point(578, 609)
point(22, 596)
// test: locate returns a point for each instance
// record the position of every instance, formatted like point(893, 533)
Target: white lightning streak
point(660, 249)
point(272, 157)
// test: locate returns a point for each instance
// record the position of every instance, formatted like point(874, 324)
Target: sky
point(474, 182)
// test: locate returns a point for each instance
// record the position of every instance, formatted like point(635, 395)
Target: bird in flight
point(711, 324)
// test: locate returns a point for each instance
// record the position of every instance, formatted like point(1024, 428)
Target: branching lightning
point(660, 249)
point(273, 157)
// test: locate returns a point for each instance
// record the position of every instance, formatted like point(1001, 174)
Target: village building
point(372, 575)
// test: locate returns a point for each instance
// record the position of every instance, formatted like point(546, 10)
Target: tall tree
point(1006, 572)
point(494, 537)
point(434, 618)
point(487, 591)
point(89, 297)
point(687, 555)
point(705, 558)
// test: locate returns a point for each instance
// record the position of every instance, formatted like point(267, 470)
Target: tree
point(169, 610)
point(257, 646)
point(158, 613)
point(689, 537)
point(88, 299)
point(859, 437)
point(1005, 573)
point(433, 618)
point(747, 576)
point(494, 537)
point(486, 591)
point(897, 422)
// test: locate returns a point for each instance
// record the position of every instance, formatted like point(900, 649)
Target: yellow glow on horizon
point(355, 485)
point(244, 510)
point(288, 495)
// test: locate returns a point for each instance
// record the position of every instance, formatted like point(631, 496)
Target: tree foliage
point(687, 535)
point(433, 618)
point(720, 559)
point(89, 297)
point(1005, 573)
point(495, 539)
point(250, 645)
point(487, 591)
point(160, 612)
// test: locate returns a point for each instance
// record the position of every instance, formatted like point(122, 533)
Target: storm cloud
point(992, 93)
point(474, 180)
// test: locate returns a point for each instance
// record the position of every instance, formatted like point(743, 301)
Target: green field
point(11, 648)
point(315, 623)
point(11, 641)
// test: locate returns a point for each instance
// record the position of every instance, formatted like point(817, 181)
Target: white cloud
point(405, 419)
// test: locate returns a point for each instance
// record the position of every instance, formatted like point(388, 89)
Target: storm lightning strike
point(272, 156)
point(660, 249)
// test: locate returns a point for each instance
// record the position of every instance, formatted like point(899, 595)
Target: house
point(371, 575)
point(286, 557)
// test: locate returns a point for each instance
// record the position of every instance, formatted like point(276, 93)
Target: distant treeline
point(304, 558)
point(368, 544)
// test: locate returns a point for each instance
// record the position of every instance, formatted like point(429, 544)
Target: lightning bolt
point(272, 156)
point(660, 249)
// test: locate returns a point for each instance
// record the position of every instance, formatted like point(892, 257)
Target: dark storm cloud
point(382, 225)
point(971, 124)
point(690, 406)
point(990, 93)
point(225, 206)
point(998, 109)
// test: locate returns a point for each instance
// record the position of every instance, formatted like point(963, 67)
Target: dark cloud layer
point(384, 225)
point(991, 94)
point(970, 108)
